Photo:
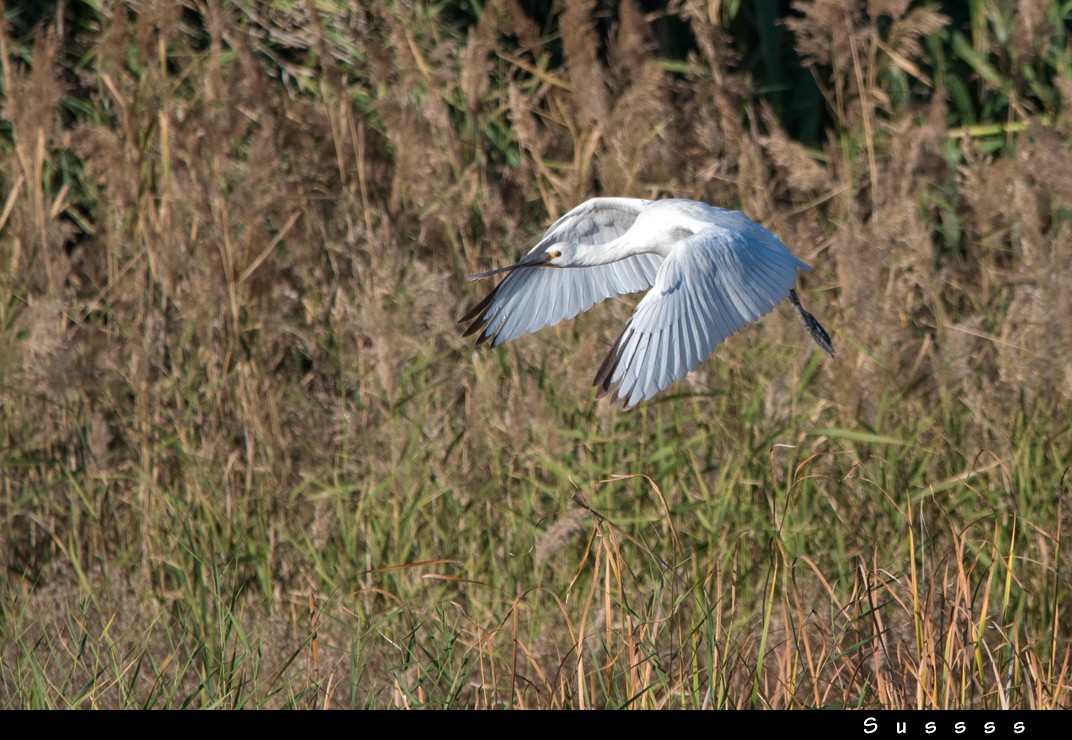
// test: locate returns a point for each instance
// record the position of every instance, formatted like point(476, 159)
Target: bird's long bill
point(539, 259)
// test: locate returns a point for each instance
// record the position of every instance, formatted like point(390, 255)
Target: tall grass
point(247, 460)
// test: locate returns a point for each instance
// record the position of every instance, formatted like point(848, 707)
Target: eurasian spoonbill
point(712, 271)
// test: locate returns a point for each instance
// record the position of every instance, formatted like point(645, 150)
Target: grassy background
point(246, 459)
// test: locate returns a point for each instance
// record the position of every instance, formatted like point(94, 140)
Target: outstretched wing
point(713, 284)
point(531, 298)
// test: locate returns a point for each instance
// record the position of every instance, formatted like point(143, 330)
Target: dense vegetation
point(247, 460)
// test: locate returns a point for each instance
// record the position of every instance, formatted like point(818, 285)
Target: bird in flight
point(711, 273)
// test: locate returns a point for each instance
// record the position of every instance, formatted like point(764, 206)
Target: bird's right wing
point(712, 285)
point(530, 298)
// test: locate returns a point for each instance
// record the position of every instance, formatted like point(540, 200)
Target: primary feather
point(507, 312)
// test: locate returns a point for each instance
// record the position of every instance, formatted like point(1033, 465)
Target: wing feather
point(712, 285)
point(530, 298)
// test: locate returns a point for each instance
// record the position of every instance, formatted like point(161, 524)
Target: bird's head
point(561, 254)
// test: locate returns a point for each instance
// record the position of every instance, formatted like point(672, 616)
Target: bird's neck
point(615, 250)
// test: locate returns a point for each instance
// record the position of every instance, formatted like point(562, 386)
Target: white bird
point(712, 271)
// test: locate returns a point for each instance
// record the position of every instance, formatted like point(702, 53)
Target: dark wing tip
point(818, 333)
point(476, 326)
point(610, 364)
point(823, 339)
point(478, 315)
point(824, 343)
point(479, 308)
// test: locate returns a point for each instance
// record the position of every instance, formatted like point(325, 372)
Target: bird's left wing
point(713, 284)
point(530, 298)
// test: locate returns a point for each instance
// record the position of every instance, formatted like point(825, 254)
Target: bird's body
point(712, 272)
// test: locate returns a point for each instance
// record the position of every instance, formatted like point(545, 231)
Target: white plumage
point(712, 272)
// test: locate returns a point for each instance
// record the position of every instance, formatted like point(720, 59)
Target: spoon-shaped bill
point(532, 261)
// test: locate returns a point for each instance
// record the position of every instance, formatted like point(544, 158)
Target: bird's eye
point(556, 254)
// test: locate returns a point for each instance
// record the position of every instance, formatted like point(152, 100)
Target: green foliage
point(247, 461)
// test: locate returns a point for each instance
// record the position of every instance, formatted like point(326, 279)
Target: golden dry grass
point(247, 459)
